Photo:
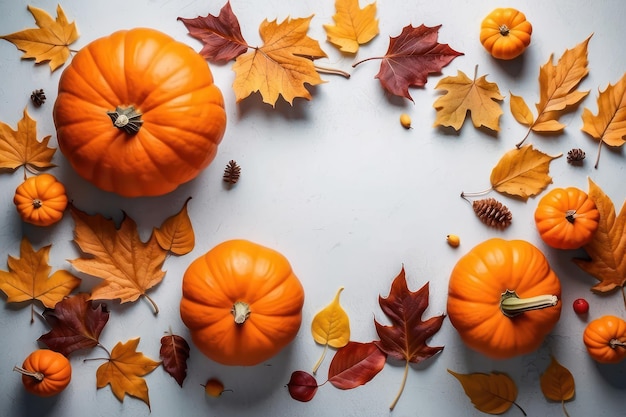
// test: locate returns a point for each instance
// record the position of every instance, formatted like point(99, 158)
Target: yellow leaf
point(282, 65)
point(50, 42)
point(607, 249)
point(21, 148)
point(521, 111)
point(128, 266)
point(557, 382)
point(609, 125)
point(492, 393)
point(176, 233)
point(28, 278)
point(353, 26)
point(331, 327)
point(522, 172)
point(477, 96)
point(124, 371)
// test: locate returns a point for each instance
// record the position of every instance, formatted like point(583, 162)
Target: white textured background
point(347, 194)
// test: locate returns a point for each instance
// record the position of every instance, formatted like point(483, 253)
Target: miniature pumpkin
point(503, 298)
point(40, 200)
point(241, 302)
point(505, 33)
point(605, 339)
point(45, 372)
point(138, 113)
point(566, 218)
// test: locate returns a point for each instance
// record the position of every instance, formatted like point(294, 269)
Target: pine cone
point(575, 156)
point(38, 97)
point(492, 213)
point(232, 172)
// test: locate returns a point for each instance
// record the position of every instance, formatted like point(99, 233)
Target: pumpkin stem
point(511, 304)
point(37, 375)
point(504, 30)
point(127, 119)
point(241, 311)
point(570, 215)
point(37, 203)
point(615, 343)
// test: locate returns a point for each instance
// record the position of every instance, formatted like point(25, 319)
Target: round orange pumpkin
point(505, 33)
point(40, 200)
point(503, 298)
point(566, 218)
point(241, 302)
point(45, 372)
point(605, 339)
point(138, 113)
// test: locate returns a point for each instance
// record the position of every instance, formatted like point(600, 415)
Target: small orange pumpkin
point(503, 298)
point(505, 33)
point(138, 113)
point(40, 200)
point(241, 302)
point(45, 372)
point(605, 339)
point(566, 218)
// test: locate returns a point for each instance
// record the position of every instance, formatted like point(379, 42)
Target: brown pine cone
point(38, 97)
point(232, 172)
point(575, 156)
point(492, 213)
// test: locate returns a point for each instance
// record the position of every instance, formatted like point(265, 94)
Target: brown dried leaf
point(176, 234)
point(175, 352)
point(492, 393)
point(557, 382)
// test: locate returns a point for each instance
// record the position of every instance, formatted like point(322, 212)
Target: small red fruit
point(581, 306)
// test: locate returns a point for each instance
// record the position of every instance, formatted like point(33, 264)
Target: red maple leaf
point(220, 35)
point(411, 57)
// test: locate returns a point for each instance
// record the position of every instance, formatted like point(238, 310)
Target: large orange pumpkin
point(605, 339)
point(138, 113)
point(241, 302)
point(503, 298)
point(40, 200)
point(45, 372)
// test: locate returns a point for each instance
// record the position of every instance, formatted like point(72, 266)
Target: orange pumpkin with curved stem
point(138, 113)
point(40, 200)
point(605, 339)
point(505, 33)
point(241, 302)
point(503, 298)
point(45, 372)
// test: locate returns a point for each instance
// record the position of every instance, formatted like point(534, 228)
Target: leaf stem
point(366, 59)
point(520, 408)
point(564, 409)
point(155, 307)
point(399, 394)
point(598, 157)
point(464, 195)
point(520, 143)
point(320, 360)
point(334, 71)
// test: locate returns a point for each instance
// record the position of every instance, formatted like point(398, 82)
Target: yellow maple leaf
point(127, 266)
point(609, 125)
point(21, 148)
point(176, 233)
point(282, 65)
point(522, 172)
point(478, 97)
point(331, 327)
point(29, 279)
point(557, 91)
point(607, 249)
point(353, 26)
point(124, 370)
point(50, 42)
point(492, 393)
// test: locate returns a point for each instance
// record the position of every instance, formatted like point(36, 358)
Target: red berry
point(581, 306)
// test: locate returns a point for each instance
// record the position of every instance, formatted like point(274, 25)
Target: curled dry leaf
point(354, 26)
point(176, 234)
point(557, 383)
point(492, 393)
point(174, 353)
point(302, 386)
point(331, 327)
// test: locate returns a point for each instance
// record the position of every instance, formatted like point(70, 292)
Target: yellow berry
point(453, 240)
point(405, 121)
point(214, 387)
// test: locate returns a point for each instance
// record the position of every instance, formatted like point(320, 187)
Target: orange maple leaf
point(128, 266)
point(28, 278)
point(124, 371)
point(176, 233)
point(353, 26)
point(21, 148)
point(50, 42)
point(282, 65)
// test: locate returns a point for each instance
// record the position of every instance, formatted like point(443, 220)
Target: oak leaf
point(282, 66)
point(609, 125)
point(175, 352)
point(557, 88)
point(492, 393)
point(410, 58)
point(76, 324)
point(220, 35)
point(522, 172)
point(176, 234)
point(478, 97)
point(127, 266)
point(21, 148)
point(355, 364)
point(331, 327)
point(29, 279)
point(302, 386)
point(557, 383)
point(607, 249)
point(50, 42)
point(405, 339)
point(354, 26)
point(124, 370)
